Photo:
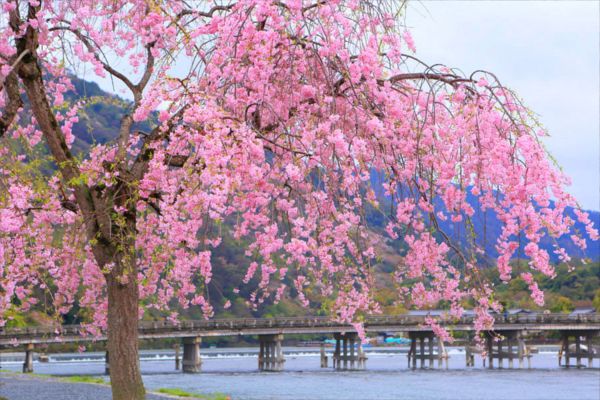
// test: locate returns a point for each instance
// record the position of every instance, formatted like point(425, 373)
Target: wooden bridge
point(505, 342)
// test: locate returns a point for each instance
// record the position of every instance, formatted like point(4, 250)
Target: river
point(234, 372)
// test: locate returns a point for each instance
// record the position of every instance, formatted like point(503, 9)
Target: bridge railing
point(499, 319)
point(248, 324)
point(238, 323)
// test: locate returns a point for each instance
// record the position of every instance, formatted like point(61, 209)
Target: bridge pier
point(470, 355)
point(324, 359)
point(515, 349)
point(418, 351)
point(344, 356)
point(28, 362)
point(270, 356)
point(177, 358)
point(579, 353)
point(192, 362)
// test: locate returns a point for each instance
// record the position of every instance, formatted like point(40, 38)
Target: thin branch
point(149, 68)
point(140, 165)
point(88, 44)
point(176, 161)
point(14, 65)
point(450, 79)
point(208, 14)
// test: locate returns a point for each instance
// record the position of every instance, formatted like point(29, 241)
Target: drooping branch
point(14, 65)
point(90, 47)
point(450, 79)
point(207, 14)
point(140, 165)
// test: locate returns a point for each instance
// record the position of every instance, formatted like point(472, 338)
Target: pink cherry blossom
point(269, 123)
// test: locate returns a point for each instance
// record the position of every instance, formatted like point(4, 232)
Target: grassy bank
point(95, 380)
point(85, 379)
point(192, 395)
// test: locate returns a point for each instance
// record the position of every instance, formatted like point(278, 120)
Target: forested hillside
point(99, 121)
point(98, 124)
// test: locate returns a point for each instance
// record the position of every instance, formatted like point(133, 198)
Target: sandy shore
point(24, 387)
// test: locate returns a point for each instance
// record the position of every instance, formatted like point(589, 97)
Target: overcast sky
point(547, 51)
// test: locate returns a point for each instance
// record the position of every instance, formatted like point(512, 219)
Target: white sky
point(547, 51)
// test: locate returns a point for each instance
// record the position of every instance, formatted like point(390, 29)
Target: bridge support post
point(511, 355)
point(430, 351)
point(336, 353)
point(578, 350)
point(422, 348)
point(362, 358)
point(345, 352)
point(500, 354)
point(469, 359)
point(270, 356)
point(508, 339)
point(490, 350)
point(425, 352)
point(192, 362)
point(344, 356)
point(412, 352)
point(176, 347)
point(323, 356)
point(442, 354)
point(353, 358)
point(106, 364)
point(564, 350)
point(28, 362)
point(523, 352)
point(590, 351)
point(337, 356)
point(569, 350)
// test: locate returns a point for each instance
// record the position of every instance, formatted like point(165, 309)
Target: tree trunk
point(115, 244)
point(125, 376)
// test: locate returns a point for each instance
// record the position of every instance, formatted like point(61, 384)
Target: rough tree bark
point(125, 377)
point(114, 241)
point(123, 296)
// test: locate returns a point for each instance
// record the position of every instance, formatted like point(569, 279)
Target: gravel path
point(22, 387)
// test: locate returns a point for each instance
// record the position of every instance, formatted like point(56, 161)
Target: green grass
point(84, 379)
point(101, 381)
point(17, 373)
point(183, 393)
point(69, 379)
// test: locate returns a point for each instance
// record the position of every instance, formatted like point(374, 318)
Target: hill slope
point(99, 123)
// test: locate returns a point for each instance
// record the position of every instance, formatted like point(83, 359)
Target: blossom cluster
point(284, 115)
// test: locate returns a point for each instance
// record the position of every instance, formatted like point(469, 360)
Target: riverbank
point(16, 386)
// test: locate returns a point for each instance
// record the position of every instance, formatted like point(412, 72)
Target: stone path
point(23, 387)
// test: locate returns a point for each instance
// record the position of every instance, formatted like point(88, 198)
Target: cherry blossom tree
point(270, 119)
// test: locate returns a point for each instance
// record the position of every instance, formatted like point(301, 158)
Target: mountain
point(100, 119)
point(99, 123)
point(488, 228)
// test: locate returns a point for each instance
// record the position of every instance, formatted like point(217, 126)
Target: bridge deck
point(315, 325)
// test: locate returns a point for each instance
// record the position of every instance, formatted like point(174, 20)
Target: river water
point(234, 372)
